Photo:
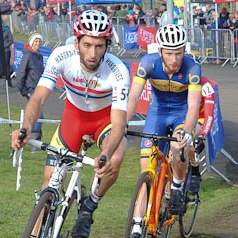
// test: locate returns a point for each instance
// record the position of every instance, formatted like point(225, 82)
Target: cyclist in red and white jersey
point(97, 86)
point(203, 127)
point(207, 106)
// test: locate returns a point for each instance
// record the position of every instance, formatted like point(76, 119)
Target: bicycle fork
point(68, 195)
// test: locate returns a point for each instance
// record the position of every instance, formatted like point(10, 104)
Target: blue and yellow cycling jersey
point(169, 94)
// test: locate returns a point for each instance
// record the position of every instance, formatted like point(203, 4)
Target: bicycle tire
point(63, 232)
point(143, 179)
point(188, 218)
point(46, 200)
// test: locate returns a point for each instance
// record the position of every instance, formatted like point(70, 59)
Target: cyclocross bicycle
point(53, 204)
point(153, 185)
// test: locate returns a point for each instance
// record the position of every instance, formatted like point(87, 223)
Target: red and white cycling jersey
point(88, 91)
point(207, 105)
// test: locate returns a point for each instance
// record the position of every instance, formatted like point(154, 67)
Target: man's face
point(91, 50)
point(172, 59)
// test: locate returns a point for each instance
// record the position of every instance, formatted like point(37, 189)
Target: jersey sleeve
point(195, 78)
point(208, 94)
point(52, 71)
point(143, 70)
point(120, 89)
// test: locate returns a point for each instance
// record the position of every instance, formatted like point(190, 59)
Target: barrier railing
point(235, 47)
point(208, 45)
point(196, 39)
point(218, 45)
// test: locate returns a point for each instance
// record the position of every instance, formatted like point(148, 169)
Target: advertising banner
point(130, 37)
point(146, 35)
point(216, 134)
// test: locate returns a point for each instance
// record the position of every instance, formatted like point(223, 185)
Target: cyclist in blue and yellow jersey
point(176, 96)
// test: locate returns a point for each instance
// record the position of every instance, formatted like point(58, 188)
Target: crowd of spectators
point(207, 18)
point(224, 21)
point(30, 13)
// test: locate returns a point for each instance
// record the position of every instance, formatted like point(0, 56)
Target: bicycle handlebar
point(102, 161)
point(61, 152)
point(151, 136)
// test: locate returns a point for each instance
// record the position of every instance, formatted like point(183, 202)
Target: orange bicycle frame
point(160, 171)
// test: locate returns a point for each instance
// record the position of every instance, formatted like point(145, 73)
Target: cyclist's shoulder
point(190, 62)
point(64, 52)
point(190, 67)
point(155, 57)
point(110, 58)
point(206, 80)
point(115, 65)
point(151, 61)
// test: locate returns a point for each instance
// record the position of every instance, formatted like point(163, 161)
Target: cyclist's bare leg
point(179, 167)
point(108, 179)
point(140, 208)
point(48, 170)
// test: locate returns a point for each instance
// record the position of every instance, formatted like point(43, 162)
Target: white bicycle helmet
point(93, 23)
point(171, 36)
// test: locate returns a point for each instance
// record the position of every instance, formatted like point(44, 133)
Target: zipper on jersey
point(169, 90)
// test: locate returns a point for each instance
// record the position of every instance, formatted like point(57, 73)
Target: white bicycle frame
point(73, 185)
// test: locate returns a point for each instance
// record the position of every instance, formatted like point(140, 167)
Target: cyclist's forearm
point(132, 104)
point(134, 97)
point(34, 106)
point(31, 114)
point(191, 119)
point(194, 99)
point(118, 131)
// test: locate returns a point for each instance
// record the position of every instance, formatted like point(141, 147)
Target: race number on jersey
point(207, 90)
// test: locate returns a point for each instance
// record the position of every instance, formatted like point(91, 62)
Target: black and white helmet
point(93, 23)
point(171, 36)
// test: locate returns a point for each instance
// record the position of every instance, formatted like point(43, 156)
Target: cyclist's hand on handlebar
point(185, 138)
point(20, 137)
point(102, 166)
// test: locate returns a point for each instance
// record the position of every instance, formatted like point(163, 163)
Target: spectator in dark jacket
point(29, 73)
point(7, 43)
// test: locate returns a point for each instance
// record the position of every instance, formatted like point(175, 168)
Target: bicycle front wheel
point(187, 220)
point(141, 193)
point(42, 217)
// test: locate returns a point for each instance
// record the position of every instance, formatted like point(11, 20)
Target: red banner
point(145, 98)
point(146, 35)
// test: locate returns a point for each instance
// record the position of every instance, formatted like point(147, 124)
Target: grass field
point(110, 218)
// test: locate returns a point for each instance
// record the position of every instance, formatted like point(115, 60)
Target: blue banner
point(78, 2)
point(216, 134)
point(18, 53)
point(130, 34)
